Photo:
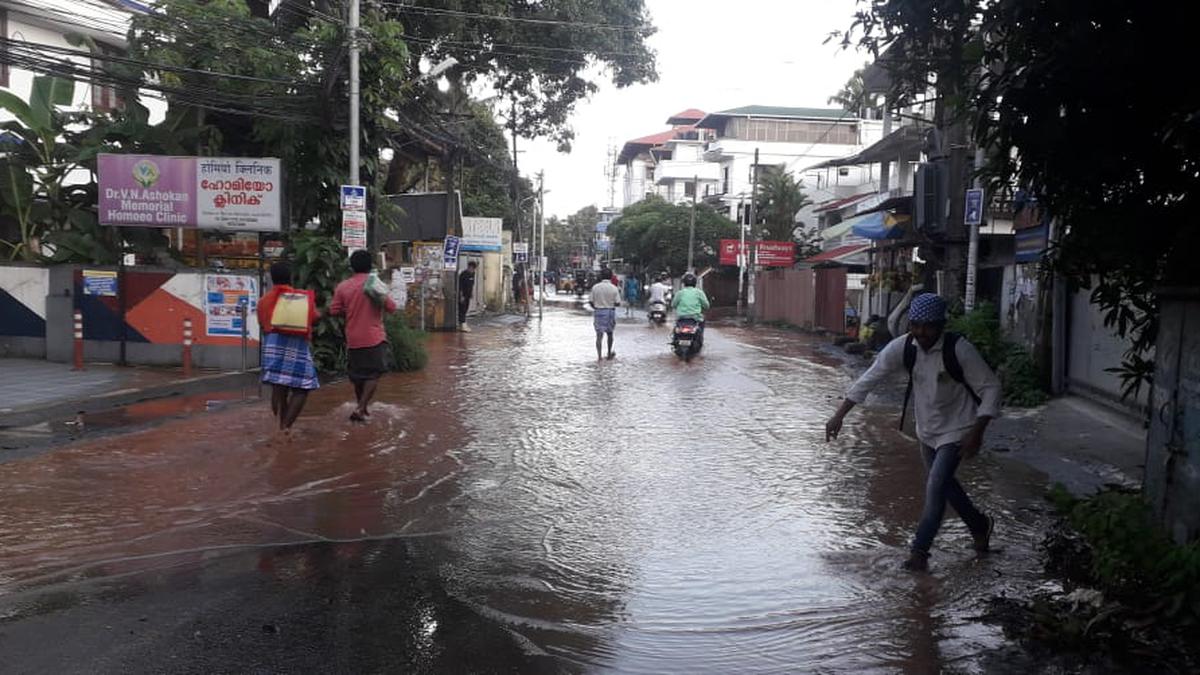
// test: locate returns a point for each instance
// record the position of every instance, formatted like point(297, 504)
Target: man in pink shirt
point(366, 339)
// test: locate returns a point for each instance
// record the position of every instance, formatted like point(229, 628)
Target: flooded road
point(516, 507)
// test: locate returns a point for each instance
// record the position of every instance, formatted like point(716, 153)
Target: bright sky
point(712, 55)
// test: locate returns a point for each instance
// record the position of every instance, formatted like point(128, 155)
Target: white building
point(670, 163)
point(794, 138)
point(40, 28)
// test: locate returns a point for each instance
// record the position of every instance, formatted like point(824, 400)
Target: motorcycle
point(687, 338)
point(657, 312)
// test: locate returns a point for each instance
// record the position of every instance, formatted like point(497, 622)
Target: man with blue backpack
point(955, 395)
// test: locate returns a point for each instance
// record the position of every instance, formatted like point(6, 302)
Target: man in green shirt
point(690, 302)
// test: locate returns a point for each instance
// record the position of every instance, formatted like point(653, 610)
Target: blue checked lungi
point(286, 360)
point(605, 320)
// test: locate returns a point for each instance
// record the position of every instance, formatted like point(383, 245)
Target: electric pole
point(753, 238)
point(692, 225)
point(354, 92)
point(541, 224)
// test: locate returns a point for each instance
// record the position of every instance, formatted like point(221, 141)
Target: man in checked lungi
point(287, 315)
point(605, 298)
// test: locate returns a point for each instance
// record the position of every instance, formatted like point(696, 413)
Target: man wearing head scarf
point(955, 396)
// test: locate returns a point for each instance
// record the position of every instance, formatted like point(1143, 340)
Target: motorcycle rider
point(690, 303)
point(658, 293)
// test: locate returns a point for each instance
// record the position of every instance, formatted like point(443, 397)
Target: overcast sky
point(712, 55)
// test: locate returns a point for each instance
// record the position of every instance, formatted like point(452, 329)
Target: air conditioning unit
point(931, 196)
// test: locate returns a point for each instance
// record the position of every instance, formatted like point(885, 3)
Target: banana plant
point(34, 161)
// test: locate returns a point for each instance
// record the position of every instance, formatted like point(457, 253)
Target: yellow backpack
point(290, 315)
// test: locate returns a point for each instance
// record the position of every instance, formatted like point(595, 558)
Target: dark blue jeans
point(941, 487)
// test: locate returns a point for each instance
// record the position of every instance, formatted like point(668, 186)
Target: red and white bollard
point(78, 340)
point(187, 347)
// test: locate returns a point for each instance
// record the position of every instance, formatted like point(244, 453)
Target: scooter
point(657, 313)
point(687, 338)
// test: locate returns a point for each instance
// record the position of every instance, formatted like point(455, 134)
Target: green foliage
point(653, 235)
point(407, 344)
point(1042, 94)
point(319, 264)
point(560, 48)
point(1132, 558)
point(1012, 362)
point(574, 236)
point(780, 198)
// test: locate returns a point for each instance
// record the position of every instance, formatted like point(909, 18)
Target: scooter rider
point(690, 303)
point(659, 290)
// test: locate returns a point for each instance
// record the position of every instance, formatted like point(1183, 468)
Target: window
point(725, 180)
point(104, 96)
point(689, 189)
point(3, 47)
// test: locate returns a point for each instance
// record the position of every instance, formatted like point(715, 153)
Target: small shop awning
point(838, 255)
point(878, 225)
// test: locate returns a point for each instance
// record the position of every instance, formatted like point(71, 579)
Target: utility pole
point(741, 253)
point(973, 240)
point(541, 223)
point(692, 224)
point(753, 239)
point(354, 92)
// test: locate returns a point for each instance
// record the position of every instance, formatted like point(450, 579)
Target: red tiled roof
point(833, 254)
point(653, 139)
point(839, 203)
point(689, 115)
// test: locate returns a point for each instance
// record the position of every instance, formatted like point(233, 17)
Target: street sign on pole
point(450, 252)
point(974, 207)
point(354, 229)
point(354, 198)
point(520, 252)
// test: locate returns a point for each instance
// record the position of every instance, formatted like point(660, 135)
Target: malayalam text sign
point(974, 207)
point(481, 234)
point(212, 193)
point(450, 248)
point(354, 198)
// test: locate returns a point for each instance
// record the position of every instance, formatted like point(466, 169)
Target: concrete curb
point(23, 417)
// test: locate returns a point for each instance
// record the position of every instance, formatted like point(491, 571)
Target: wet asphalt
point(518, 506)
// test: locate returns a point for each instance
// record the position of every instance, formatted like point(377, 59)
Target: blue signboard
point(1031, 243)
point(450, 252)
point(354, 198)
point(100, 282)
point(602, 227)
point(974, 207)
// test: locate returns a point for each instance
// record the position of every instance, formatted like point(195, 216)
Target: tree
point(572, 237)
point(851, 96)
point(653, 235)
point(780, 198)
point(537, 56)
point(1104, 150)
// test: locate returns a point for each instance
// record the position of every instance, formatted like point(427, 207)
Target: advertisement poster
point(770, 253)
point(211, 193)
point(224, 294)
point(100, 283)
point(481, 234)
point(354, 229)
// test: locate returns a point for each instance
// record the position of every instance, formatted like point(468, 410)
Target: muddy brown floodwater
point(517, 506)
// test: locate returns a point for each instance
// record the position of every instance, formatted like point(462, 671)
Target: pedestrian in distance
point(466, 289)
point(955, 395)
point(633, 293)
point(359, 300)
point(604, 300)
point(287, 315)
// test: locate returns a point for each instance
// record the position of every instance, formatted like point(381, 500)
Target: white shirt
point(605, 295)
point(943, 407)
point(658, 292)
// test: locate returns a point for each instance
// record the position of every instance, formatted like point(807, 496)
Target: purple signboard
point(149, 191)
point(211, 193)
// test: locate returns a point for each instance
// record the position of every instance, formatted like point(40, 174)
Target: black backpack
point(949, 362)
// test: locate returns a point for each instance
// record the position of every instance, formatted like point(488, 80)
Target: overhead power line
point(405, 7)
